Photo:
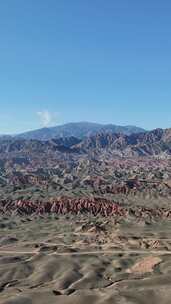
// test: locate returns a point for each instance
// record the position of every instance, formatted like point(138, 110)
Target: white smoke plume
point(47, 119)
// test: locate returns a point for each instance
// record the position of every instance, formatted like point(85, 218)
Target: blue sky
point(95, 60)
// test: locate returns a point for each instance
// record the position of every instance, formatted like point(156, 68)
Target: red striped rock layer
point(94, 206)
point(63, 206)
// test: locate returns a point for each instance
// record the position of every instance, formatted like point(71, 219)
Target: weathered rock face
point(93, 206)
point(99, 165)
point(151, 143)
point(64, 205)
point(143, 144)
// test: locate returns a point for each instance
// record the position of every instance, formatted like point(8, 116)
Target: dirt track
point(98, 252)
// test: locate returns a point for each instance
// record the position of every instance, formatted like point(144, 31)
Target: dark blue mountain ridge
point(78, 130)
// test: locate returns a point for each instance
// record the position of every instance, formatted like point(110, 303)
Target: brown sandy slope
point(66, 261)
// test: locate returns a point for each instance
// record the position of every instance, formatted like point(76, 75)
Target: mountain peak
point(79, 130)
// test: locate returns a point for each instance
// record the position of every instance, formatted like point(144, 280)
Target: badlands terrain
point(86, 219)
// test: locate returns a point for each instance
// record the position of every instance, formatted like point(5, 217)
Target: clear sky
point(84, 60)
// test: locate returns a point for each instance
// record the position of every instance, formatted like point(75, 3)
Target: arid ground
point(75, 259)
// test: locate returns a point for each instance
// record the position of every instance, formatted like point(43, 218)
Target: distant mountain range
point(152, 143)
point(79, 130)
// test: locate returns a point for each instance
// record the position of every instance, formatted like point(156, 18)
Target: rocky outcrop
point(151, 143)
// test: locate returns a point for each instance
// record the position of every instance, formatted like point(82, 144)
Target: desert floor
point(84, 260)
